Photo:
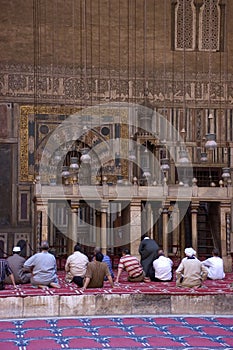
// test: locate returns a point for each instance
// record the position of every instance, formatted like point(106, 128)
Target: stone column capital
point(194, 207)
point(165, 206)
point(75, 205)
point(104, 206)
point(135, 202)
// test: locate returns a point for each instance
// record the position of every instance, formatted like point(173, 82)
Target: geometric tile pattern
point(144, 332)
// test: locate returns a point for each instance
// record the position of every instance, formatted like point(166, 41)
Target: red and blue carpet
point(143, 332)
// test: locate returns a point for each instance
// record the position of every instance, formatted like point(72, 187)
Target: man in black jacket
point(148, 250)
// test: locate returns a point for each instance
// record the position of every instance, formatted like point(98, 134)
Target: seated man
point(107, 260)
point(96, 271)
point(191, 272)
point(214, 266)
point(16, 262)
point(5, 270)
point(132, 265)
point(162, 268)
point(76, 266)
point(44, 268)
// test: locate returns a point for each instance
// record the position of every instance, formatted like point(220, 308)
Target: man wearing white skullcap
point(190, 273)
point(190, 252)
point(16, 262)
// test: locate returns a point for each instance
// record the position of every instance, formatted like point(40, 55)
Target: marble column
point(135, 227)
point(74, 224)
point(194, 211)
point(149, 220)
point(182, 238)
point(226, 236)
point(38, 229)
point(70, 247)
point(155, 222)
point(176, 227)
point(165, 230)
point(138, 161)
point(41, 222)
point(44, 228)
point(98, 228)
point(104, 210)
point(52, 208)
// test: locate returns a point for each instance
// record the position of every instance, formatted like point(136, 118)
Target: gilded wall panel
point(38, 123)
point(35, 125)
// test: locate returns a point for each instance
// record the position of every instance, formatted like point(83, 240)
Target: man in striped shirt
point(132, 266)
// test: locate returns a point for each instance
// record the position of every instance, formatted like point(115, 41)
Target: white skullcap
point(16, 249)
point(190, 252)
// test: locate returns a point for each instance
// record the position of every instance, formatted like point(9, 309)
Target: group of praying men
point(41, 268)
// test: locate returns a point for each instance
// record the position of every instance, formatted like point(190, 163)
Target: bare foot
point(41, 286)
point(147, 279)
point(55, 285)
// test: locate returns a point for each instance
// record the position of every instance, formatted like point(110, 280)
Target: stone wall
point(116, 304)
point(85, 52)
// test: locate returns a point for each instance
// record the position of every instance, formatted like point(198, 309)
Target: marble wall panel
point(151, 304)
point(192, 305)
point(41, 306)
point(224, 304)
point(116, 304)
point(80, 305)
point(11, 307)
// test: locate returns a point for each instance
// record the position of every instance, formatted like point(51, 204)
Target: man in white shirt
point(214, 265)
point(162, 268)
point(76, 266)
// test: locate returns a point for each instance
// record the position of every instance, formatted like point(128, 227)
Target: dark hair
point(99, 256)
point(160, 252)
point(215, 252)
point(77, 248)
point(97, 250)
point(126, 251)
point(44, 245)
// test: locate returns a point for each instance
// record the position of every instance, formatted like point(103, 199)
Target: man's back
point(76, 264)
point(108, 261)
point(96, 271)
point(131, 264)
point(44, 266)
point(148, 246)
point(148, 250)
point(163, 268)
point(192, 270)
point(215, 267)
point(15, 262)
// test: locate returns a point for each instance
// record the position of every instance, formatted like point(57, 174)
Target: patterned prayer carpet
point(142, 332)
point(224, 286)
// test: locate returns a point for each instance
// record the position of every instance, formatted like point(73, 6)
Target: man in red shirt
point(132, 266)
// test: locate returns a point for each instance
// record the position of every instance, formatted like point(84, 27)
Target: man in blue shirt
point(44, 268)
